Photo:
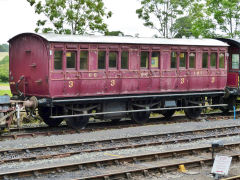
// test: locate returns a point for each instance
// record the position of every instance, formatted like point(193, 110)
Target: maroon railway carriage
point(75, 76)
point(233, 64)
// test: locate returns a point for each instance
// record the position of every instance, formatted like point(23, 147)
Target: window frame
point(79, 65)
point(159, 57)
point(210, 60)
point(106, 59)
point(54, 50)
point(76, 59)
point(195, 58)
point(120, 57)
point(179, 59)
point(207, 60)
point(176, 61)
point(232, 61)
point(146, 61)
point(224, 57)
point(117, 59)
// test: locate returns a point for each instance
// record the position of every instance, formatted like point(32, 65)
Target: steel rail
point(120, 140)
point(63, 131)
point(232, 178)
point(103, 125)
point(139, 110)
point(162, 168)
point(118, 160)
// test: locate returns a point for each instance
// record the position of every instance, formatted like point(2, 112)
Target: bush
point(4, 69)
point(4, 48)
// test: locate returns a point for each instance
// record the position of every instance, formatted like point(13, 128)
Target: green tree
point(71, 16)
point(196, 23)
point(182, 27)
point(226, 13)
point(161, 14)
point(4, 48)
point(114, 33)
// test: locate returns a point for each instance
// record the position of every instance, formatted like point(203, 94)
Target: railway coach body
point(233, 63)
point(77, 74)
point(71, 66)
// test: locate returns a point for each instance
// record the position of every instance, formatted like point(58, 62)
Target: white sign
point(221, 165)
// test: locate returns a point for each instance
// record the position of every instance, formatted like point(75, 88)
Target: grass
point(3, 92)
point(3, 55)
point(4, 69)
point(4, 84)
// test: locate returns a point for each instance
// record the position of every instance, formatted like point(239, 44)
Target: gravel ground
point(109, 155)
point(193, 174)
point(114, 133)
point(74, 148)
point(127, 166)
point(109, 134)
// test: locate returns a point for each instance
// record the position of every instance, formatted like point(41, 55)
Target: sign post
point(221, 166)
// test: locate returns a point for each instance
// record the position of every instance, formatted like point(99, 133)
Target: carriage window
point(144, 59)
point(124, 60)
point(192, 57)
point(235, 61)
point(71, 59)
point(221, 60)
point(113, 56)
point(213, 60)
point(155, 59)
point(183, 60)
point(205, 60)
point(58, 60)
point(84, 60)
point(173, 60)
point(101, 59)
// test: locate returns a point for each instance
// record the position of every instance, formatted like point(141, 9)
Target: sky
point(17, 16)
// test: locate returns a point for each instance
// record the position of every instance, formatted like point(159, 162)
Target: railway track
point(35, 153)
point(140, 164)
point(232, 178)
point(46, 131)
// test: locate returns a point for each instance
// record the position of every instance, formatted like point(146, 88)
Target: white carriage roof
point(51, 37)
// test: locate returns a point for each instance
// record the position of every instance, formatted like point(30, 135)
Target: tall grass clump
point(4, 69)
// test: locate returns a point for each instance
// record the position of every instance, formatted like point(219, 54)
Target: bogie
point(45, 113)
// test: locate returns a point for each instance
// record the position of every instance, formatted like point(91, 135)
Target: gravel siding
point(114, 133)
point(108, 134)
point(108, 155)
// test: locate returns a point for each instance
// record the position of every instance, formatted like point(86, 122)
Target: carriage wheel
point(193, 113)
point(45, 113)
point(231, 101)
point(115, 121)
point(140, 117)
point(78, 122)
point(221, 100)
point(168, 113)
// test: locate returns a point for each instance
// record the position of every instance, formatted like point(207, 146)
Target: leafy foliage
point(71, 16)
point(114, 33)
point(196, 23)
point(192, 17)
point(226, 14)
point(4, 69)
point(4, 48)
point(161, 14)
point(4, 92)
